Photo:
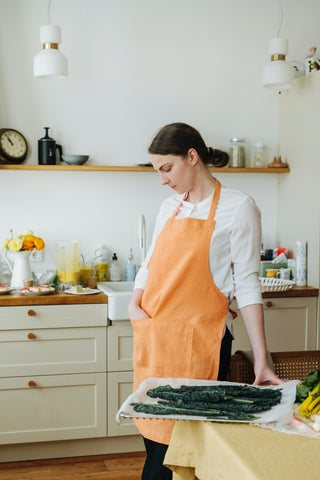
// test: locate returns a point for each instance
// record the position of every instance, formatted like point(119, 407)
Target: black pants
point(153, 467)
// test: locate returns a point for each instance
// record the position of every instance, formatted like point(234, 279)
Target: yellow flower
point(25, 240)
point(15, 245)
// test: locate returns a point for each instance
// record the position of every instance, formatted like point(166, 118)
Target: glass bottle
point(237, 156)
point(258, 155)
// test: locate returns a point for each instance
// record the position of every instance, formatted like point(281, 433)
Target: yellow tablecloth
point(234, 451)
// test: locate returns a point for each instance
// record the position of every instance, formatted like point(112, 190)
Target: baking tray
point(282, 412)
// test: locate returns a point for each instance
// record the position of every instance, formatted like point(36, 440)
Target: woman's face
point(176, 172)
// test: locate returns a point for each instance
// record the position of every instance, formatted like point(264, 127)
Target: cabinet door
point(55, 407)
point(120, 348)
point(119, 388)
point(52, 351)
point(290, 324)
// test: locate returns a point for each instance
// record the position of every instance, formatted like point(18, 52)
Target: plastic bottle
point(102, 258)
point(114, 269)
point(301, 263)
point(130, 268)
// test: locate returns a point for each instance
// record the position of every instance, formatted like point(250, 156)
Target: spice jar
point(258, 155)
point(237, 155)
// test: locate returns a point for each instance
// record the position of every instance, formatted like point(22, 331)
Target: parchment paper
point(282, 412)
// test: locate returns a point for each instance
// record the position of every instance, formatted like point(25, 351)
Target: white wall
point(135, 65)
point(299, 194)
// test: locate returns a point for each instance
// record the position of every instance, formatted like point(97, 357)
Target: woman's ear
point(193, 156)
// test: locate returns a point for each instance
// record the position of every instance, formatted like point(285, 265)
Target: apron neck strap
point(215, 199)
point(214, 203)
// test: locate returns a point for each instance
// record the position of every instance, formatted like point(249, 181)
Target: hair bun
point(217, 158)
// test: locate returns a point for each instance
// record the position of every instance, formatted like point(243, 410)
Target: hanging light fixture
point(50, 62)
point(278, 74)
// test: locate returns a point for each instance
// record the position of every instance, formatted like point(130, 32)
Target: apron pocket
point(161, 349)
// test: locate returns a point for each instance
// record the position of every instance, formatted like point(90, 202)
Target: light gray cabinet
point(120, 377)
point(53, 372)
point(290, 324)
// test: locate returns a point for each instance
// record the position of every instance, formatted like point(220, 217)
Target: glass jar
point(237, 156)
point(258, 155)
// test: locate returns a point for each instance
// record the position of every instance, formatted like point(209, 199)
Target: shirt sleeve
point(245, 253)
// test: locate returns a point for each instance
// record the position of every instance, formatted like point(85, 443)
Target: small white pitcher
point(21, 269)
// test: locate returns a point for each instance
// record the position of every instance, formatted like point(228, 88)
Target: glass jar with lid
point(237, 156)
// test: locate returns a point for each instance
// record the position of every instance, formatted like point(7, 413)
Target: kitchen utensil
point(75, 159)
point(47, 148)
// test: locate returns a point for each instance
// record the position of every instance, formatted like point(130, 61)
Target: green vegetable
point(217, 393)
point(172, 409)
point(226, 406)
point(231, 402)
point(308, 384)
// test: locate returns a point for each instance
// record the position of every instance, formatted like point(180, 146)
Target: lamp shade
point(278, 74)
point(50, 62)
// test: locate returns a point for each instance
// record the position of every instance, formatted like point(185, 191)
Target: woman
point(205, 249)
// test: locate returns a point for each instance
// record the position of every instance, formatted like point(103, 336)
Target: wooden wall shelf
point(132, 168)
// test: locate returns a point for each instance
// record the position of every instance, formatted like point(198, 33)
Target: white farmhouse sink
point(119, 294)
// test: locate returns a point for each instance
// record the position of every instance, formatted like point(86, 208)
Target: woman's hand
point(266, 375)
point(135, 311)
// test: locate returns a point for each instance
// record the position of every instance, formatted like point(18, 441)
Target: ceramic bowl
point(75, 159)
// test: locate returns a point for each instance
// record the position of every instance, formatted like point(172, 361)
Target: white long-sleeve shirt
point(235, 244)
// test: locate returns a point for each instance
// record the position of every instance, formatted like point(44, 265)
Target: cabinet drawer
point(53, 316)
point(55, 408)
point(52, 351)
point(119, 388)
point(120, 348)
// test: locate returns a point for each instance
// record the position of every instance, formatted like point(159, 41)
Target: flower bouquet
point(25, 240)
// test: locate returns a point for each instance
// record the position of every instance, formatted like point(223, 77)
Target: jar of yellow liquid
point(68, 262)
point(86, 270)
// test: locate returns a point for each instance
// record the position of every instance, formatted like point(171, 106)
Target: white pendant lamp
point(50, 62)
point(278, 74)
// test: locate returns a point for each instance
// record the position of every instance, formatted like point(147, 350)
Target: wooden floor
point(100, 467)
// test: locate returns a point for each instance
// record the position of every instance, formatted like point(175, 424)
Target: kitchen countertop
point(57, 298)
point(293, 292)
point(61, 298)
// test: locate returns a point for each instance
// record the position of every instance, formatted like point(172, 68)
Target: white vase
point(21, 269)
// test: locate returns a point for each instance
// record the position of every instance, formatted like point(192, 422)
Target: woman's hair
point(178, 138)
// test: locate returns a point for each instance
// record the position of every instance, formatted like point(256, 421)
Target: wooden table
point(238, 451)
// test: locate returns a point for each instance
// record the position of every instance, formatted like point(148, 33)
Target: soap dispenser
point(130, 268)
point(114, 269)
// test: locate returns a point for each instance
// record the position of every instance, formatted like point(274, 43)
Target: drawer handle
point(31, 383)
point(269, 304)
point(31, 336)
point(31, 313)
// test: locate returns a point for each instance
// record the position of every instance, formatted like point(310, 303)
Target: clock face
point(13, 144)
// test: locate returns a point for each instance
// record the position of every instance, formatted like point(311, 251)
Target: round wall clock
point(13, 146)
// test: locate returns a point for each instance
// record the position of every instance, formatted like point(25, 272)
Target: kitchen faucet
point(142, 237)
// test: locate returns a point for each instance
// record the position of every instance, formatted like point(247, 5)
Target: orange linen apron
point(182, 337)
